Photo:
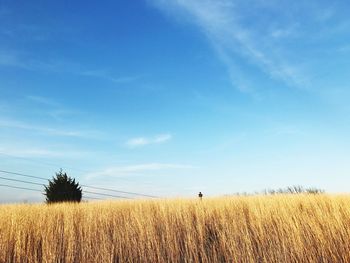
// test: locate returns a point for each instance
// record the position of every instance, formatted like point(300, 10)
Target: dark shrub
point(62, 189)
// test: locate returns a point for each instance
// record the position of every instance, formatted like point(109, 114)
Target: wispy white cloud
point(142, 141)
point(14, 58)
point(138, 169)
point(162, 138)
point(42, 100)
point(15, 124)
point(134, 142)
point(30, 32)
point(104, 74)
point(11, 58)
point(37, 152)
point(221, 21)
point(52, 108)
point(325, 14)
point(290, 31)
point(286, 130)
point(344, 49)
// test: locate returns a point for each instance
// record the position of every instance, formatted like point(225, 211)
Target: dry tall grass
point(300, 228)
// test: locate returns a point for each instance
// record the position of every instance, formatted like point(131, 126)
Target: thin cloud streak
point(42, 100)
point(14, 124)
point(10, 58)
point(138, 169)
point(219, 21)
point(28, 152)
point(142, 141)
point(104, 74)
point(52, 108)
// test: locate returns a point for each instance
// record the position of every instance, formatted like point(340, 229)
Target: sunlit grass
point(281, 228)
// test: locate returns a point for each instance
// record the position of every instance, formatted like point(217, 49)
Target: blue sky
point(174, 97)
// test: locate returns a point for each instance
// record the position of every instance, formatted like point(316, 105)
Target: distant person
point(200, 195)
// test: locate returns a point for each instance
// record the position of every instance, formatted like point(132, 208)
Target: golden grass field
point(280, 228)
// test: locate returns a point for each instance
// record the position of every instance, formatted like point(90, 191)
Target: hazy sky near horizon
point(174, 97)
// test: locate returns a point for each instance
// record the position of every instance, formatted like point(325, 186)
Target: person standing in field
point(200, 195)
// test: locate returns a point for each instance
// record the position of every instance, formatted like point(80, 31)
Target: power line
point(30, 189)
point(52, 164)
point(25, 175)
point(27, 182)
point(41, 162)
point(35, 190)
point(21, 181)
point(83, 185)
point(90, 197)
point(81, 170)
point(17, 187)
point(117, 196)
point(117, 191)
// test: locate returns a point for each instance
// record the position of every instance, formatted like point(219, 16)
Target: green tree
point(62, 188)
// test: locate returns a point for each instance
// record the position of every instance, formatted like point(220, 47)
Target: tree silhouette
point(62, 189)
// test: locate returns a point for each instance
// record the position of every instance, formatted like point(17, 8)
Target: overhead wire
point(83, 185)
point(25, 175)
point(117, 196)
point(118, 191)
point(95, 193)
point(18, 187)
point(27, 182)
point(52, 164)
point(20, 181)
point(35, 190)
point(41, 162)
point(90, 197)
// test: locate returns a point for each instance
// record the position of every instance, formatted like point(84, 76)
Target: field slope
point(281, 228)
